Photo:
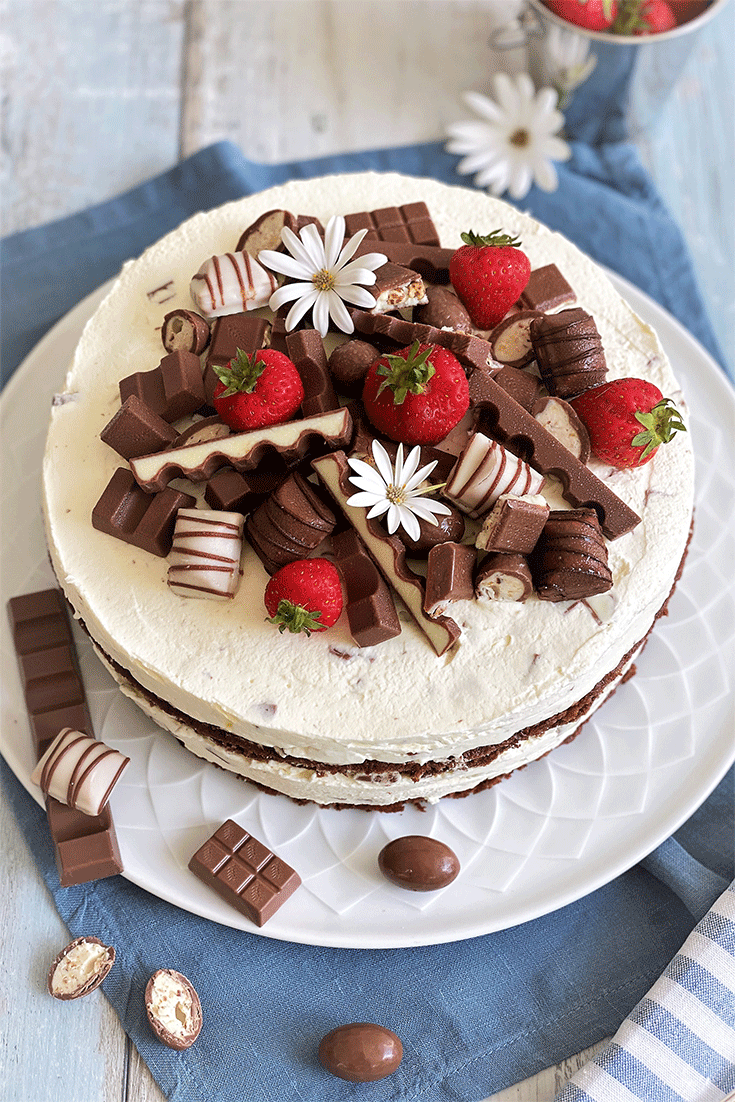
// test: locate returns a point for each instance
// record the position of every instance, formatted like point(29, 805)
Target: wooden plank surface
point(101, 94)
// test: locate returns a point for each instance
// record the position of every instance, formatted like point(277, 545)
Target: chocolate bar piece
point(244, 872)
point(52, 684)
point(568, 352)
point(230, 491)
point(513, 524)
point(371, 612)
point(546, 289)
point(396, 288)
point(570, 559)
point(185, 331)
point(449, 576)
point(133, 516)
point(410, 223)
point(230, 334)
point(290, 440)
point(504, 577)
point(174, 389)
point(449, 528)
point(306, 349)
point(522, 386)
point(430, 261)
point(472, 352)
point(85, 846)
point(522, 434)
point(136, 430)
point(388, 552)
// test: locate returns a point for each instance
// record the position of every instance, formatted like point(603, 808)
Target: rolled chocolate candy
point(570, 559)
point(564, 424)
point(411, 223)
point(205, 556)
point(522, 386)
point(174, 389)
point(448, 528)
point(306, 350)
point(173, 1008)
point(289, 524)
point(511, 339)
point(136, 430)
point(568, 352)
point(443, 310)
point(546, 289)
point(145, 520)
point(484, 471)
point(348, 366)
point(265, 232)
point(79, 968)
point(503, 577)
point(230, 284)
point(79, 771)
point(185, 331)
point(449, 571)
point(371, 612)
point(396, 288)
point(513, 524)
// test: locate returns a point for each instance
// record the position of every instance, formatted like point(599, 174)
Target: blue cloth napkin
point(474, 1016)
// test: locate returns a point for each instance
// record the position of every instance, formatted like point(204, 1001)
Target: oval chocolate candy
point(418, 863)
point(360, 1052)
point(173, 1008)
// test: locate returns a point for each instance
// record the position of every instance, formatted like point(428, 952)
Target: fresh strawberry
point(489, 273)
point(627, 419)
point(593, 15)
point(305, 595)
point(257, 389)
point(418, 395)
point(644, 17)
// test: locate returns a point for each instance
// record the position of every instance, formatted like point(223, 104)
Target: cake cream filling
point(323, 698)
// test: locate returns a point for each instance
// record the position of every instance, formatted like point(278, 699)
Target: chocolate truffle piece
point(448, 577)
point(568, 352)
point(513, 524)
point(418, 863)
point(173, 1008)
point(503, 577)
point(360, 1052)
point(79, 968)
point(443, 310)
point(511, 339)
point(546, 289)
point(570, 559)
point(349, 365)
point(185, 331)
point(563, 422)
point(136, 430)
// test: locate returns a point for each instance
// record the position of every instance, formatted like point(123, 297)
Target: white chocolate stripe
point(79, 771)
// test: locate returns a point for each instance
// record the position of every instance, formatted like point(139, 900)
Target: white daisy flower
point(396, 492)
point(515, 142)
point(326, 277)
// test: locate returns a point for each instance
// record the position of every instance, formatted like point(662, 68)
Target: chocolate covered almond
point(173, 1008)
point(79, 968)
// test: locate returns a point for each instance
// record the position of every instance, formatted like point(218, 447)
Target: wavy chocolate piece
point(371, 612)
point(570, 559)
point(388, 553)
point(244, 450)
point(306, 349)
point(514, 427)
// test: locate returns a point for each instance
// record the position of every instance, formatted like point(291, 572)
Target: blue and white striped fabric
point(678, 1044)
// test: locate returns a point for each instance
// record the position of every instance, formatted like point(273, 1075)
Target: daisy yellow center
point(395, 495)
point(323, 280)
point(520, 138)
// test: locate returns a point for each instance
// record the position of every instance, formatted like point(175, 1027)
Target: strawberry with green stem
point(257, 389)
point(593, 15)
point(417, 395)
point(489, 273)
point(304, 596)
point(627, 420)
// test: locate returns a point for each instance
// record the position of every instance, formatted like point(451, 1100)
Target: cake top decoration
point(325, 273)
point(395, 491)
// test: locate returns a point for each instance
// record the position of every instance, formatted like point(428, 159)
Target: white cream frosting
point(322, 697)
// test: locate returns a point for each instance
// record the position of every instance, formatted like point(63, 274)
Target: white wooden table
point(101, 94)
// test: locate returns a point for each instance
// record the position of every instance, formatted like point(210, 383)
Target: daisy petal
point(334, 236)
point(299, 251)
point(299, 308)
point(408, 521)
point(379, 508)
point(364, 500)
point(426, 509)
point(349, 250)
point(398, 467)
point(364, 469)
point(320, 314)
point(520, 181)
point(483, 106)
point(545, 175)
point(507, 95)
point(339, 312)
point(288, 292)
point(357, 296)
point(421, 476)
point(393, 519)
point(382, 462)
point(280, 262)
point(557, 149)
point(409, 467)
point(314, 246)
point(353, 273)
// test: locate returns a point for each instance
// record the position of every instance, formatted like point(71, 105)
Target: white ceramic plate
point(550, 834)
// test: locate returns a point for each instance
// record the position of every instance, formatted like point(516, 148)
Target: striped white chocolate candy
point(484, 471)
point(230, 284)
point(79, 771)
point(205, 556)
